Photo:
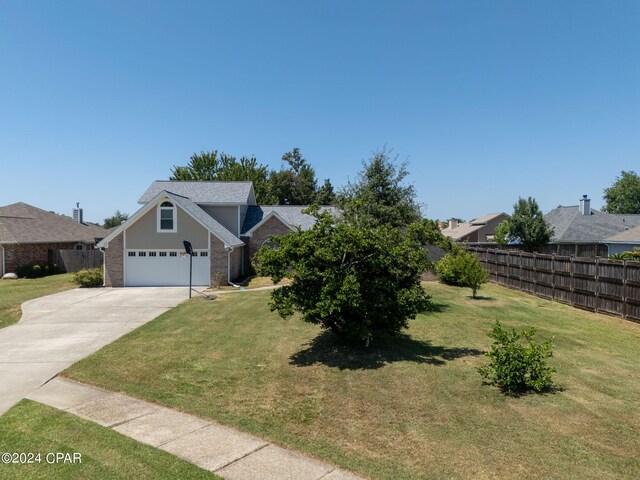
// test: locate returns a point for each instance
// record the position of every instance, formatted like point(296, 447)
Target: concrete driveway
point(58, 330)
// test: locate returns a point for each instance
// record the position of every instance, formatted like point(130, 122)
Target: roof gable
point(290, 215)
point(198, 214)
point(221, 193)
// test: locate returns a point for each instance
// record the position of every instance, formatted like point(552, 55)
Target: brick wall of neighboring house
point(219, 264)
point(273, 226)
point(114, 263)
point(20, 255)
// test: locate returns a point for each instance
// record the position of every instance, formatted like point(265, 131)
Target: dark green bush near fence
point(518, 364)
point(89, 277)
point(37, 271)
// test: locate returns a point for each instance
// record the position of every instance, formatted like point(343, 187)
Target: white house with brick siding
point(221, 220)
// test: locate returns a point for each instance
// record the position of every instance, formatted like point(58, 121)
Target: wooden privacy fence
point(76, 260)
point(596, 284)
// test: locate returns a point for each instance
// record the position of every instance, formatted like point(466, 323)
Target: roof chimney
point(453, 224)
point(585, 206)
point(77, 213)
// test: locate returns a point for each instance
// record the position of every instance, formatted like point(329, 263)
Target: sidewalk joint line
point(182, 436)
point(244, 456)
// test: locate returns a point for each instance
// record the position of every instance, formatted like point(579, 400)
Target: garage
point(165, 268)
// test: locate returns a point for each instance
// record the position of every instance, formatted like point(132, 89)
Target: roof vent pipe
point(585, 206)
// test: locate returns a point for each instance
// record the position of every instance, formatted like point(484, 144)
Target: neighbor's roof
point(466, 228)
point(570, 226)
point(206, 220)
point(203, 192)
point(631, 236)
point(292, 214)
point(23, 223)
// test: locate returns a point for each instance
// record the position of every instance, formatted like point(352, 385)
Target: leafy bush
point(36, 271)
point(462, 269)
point(518, 363)
point(89, 277)
point(632, 255)
point(357, 282)
point(474, 274)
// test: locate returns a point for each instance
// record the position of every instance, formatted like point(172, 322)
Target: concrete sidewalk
point(58, 330)
point(227, 452)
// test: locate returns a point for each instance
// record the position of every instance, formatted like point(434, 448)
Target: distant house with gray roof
point(221, 220)
point(582, 231)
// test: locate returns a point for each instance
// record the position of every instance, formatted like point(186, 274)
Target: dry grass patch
point(413, 407)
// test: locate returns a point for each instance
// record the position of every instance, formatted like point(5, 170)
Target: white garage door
point(147, 268)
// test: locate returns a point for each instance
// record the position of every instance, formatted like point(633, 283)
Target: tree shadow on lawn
point(331, 351)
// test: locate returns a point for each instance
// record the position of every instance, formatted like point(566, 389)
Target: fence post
point(571, 286)
point(520, 270)
point(597, 285)
point(553, 277)
point(624, 289)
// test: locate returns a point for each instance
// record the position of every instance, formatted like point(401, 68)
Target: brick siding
point(271, 227)
point(114, 263)
point(219, 262)
point(25, 254)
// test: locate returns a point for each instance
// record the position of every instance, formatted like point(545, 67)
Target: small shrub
point(462, 269)
point(89, 277)
point(451, 267)
point(474, 274)
point(518, 366)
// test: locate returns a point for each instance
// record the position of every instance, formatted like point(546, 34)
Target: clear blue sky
point(487, 100)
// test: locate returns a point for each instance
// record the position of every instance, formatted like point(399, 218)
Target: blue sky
point(487, 100)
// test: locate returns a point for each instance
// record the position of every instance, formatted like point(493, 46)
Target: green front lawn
point(415, 408)
point(31, 427)
point(15, 292)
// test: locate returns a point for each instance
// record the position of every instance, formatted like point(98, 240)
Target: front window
point(166, 217)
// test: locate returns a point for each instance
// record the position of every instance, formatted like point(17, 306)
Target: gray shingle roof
point(570, 226)
point(202, 192)
point(632, 236)
point(23, 223)
point(292, 214)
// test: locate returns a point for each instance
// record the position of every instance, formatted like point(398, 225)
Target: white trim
point(265, 220)
point(174, 211)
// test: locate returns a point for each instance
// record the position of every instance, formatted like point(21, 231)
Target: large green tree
point(379, 195)
point(115, 219)
point(295, 183)
point(219, 166)
point(528, 226)
point(624, 195)
point(359, 283)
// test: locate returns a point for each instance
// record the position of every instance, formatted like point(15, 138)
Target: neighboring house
point(625, 241)
point(582, 231)
point(221, 220)
point(480, 230)
point(29, 235)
